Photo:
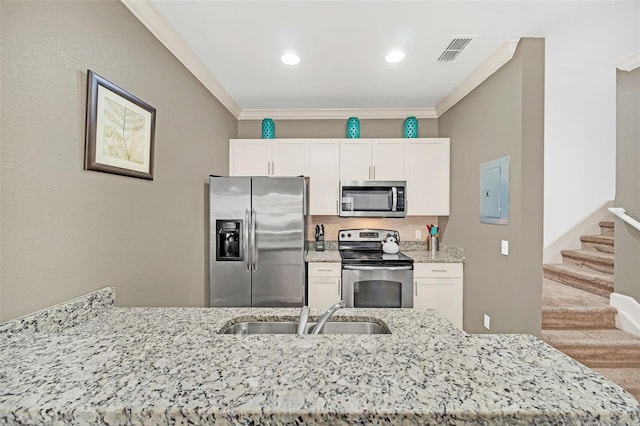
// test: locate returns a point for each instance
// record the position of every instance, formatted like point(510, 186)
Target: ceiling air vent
point(455, 47)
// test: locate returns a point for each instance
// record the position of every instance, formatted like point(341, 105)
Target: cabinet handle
point(438, 270)
point(369, 172)
point(374, 172)
point(273, 168)
point(339, 289)
point(325, 270)
point(415, 286)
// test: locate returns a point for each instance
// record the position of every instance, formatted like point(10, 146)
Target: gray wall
point(66, 231)
point(503, 116)
point(627, 238)
point(388, 128)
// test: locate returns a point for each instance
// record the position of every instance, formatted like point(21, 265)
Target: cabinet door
point(323, 284)
point(324, 176)
point(427, 163)
point(440, 287)
point(388, 159)
point(355, 159)
point(248, 157)
point(289, 157)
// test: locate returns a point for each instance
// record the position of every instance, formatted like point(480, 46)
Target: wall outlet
point(418, 234)
point(487, 322)
point(504, 248)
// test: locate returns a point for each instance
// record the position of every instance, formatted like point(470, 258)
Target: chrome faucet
point(325, 317)
point(302, 323)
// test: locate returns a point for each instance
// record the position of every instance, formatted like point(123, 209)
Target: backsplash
point(406, 226)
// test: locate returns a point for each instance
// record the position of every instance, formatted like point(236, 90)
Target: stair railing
point(622, 214)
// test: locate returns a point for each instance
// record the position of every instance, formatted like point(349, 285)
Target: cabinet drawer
point(428, 270)
point(319, 269)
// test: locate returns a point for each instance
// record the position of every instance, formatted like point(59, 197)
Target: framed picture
point(120, 130)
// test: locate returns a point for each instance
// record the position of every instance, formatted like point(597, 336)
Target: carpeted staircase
point(577, 318)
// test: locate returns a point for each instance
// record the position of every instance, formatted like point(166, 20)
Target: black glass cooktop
point(374, 257)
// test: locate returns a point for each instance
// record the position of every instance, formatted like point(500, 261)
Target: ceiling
point(342, 46)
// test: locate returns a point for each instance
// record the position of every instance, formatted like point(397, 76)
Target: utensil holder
point(434, 244)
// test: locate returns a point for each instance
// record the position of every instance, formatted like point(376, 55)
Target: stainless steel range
point(370, 277)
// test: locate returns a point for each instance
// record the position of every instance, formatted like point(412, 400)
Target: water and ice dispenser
point(229, 245)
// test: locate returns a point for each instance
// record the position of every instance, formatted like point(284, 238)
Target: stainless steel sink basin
point(291, 327)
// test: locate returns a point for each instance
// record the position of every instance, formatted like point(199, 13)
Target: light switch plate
point(487, 322)
point(418, 234)
point(504, 247)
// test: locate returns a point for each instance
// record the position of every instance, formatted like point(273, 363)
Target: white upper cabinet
point(268, 157)
point(372, 159)
point(249, 157)
point(427, 167)
point(423, 162)
point(324, 176)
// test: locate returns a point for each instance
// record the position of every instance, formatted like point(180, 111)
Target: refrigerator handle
point(245, 237)
point(254, 257)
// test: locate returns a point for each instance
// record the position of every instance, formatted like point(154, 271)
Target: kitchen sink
point(291, 327)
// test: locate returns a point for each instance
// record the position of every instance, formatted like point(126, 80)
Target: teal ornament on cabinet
point(410, 127)
point(268, 129)
point(353, 128)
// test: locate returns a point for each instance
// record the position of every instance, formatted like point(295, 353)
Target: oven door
point(377, 286)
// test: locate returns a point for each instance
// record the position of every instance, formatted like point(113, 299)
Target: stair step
point(592, 259)
point(597, 242)
point(606, 228)
point(628, 378)
point(597, 348)
point(566, 307)
point(592, 281)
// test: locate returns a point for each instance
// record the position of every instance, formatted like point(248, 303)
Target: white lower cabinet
point(439, 286)
point(323, 284)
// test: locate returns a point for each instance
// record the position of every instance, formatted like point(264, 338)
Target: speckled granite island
point(89, 362)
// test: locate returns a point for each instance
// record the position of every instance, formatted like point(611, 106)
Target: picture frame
point(120, 130)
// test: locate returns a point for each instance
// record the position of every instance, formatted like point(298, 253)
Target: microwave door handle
point(245, 242)
point(394, 198)
point(377, 268)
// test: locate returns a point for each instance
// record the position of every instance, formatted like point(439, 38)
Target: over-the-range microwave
point(373, 198)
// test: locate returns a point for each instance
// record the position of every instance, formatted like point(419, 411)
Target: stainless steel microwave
point(373, 198)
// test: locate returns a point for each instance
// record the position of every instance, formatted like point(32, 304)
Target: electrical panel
point(494, 191)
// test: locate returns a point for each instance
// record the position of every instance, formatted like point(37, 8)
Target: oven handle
point(377, 268)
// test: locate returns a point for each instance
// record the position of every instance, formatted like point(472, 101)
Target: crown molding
point(336, 113)
point(477, 76)
point(630, 63)
point(146, 13)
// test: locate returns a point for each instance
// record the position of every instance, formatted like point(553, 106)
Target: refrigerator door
point(229, 279)
point(278, 254)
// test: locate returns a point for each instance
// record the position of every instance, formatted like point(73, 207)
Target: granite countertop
point(415, 250)
point(169, 365)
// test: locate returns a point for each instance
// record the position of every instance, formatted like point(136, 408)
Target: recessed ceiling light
point(395, 56)
point(290, 58)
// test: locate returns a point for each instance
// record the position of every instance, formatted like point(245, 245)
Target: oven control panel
point(367, 235)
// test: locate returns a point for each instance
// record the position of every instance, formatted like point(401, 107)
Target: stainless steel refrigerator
point(257, 236)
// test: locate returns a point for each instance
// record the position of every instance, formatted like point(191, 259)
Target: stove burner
point(364, 247)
